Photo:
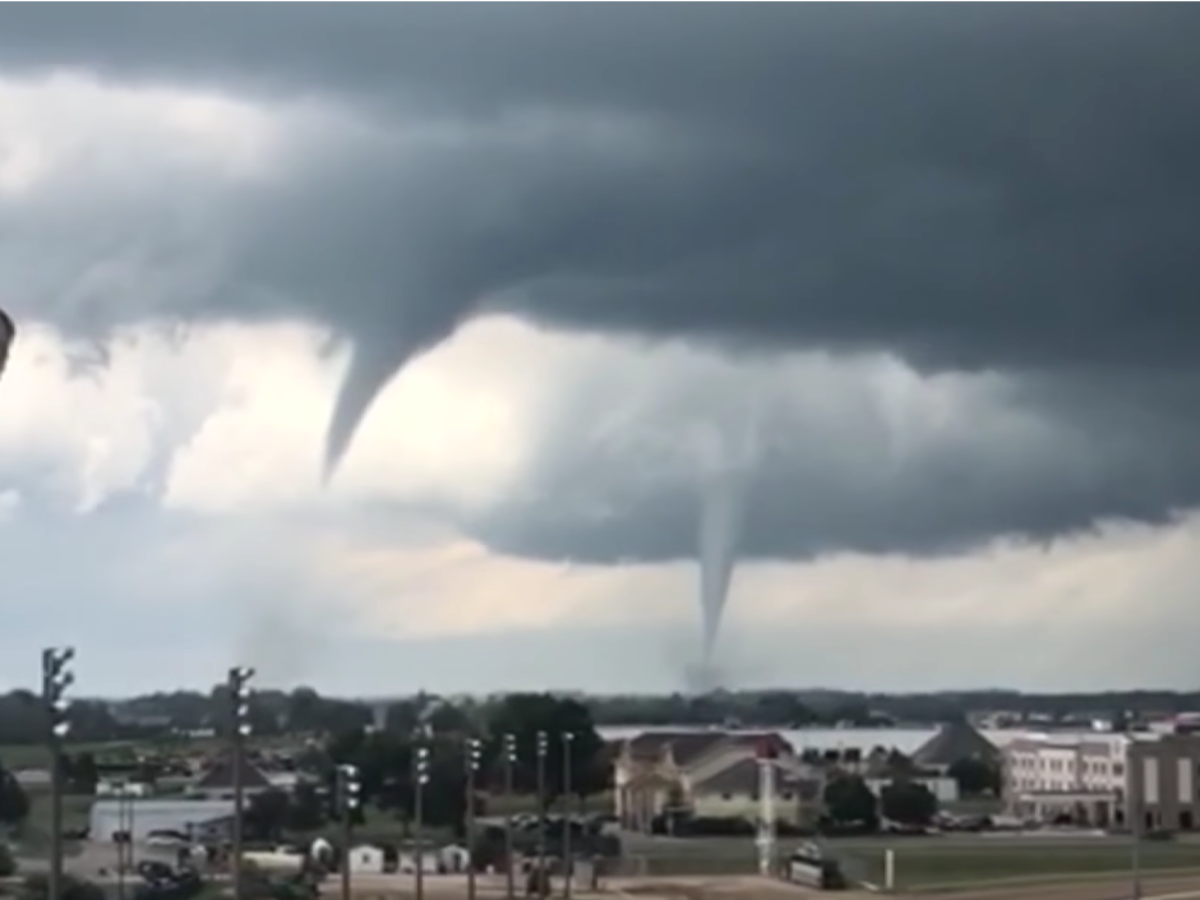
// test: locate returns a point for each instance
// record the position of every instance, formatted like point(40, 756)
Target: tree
point(306, 810)
point(849, 800)
point(37, 887)
point(908, 802)
point(79, 772)
point(8, 862)
point(14, 804)
point(975, 777)
point(523, 716)
point(782, 708)
point(266, 815)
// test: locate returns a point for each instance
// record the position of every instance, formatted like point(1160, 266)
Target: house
point(732, 790)
point(216, 783)
point(882, 768)
point(660, 772)
point(954, 742)
point(366, 859)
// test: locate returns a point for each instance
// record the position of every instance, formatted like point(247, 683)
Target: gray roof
point(220, 774)
point(742, 777)
point(688, 746)
point(685, 745)
point(954, 742)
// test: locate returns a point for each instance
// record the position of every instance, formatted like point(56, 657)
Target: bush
point(712, 826)
point(8, 862)
point(37, 887)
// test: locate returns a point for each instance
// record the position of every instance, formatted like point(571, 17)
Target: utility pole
point(56, 678)
point(1136, 817)
point(348, 787)
point(568, 865)
point(474, 751)
point(419, 781)
point(124, 836)
point(542, 747)
point(239, 730)
point(510, 763)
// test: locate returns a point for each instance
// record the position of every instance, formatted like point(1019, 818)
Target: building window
point(1186, 823)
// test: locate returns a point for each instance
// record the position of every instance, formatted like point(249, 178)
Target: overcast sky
point(529, 283)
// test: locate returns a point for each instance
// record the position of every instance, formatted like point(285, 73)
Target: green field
point(920, 863)
point(929, 865)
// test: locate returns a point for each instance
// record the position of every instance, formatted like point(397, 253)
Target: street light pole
point(419, 782)
point(510, 762)
point(239, 730)
point(56, 678)
point(1136, 851)
point(542, 747)
point(473, 754)
point(348, 786)
point(123, 837)
point(567, 742)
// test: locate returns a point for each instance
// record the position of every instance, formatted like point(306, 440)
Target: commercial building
point(1163, 787)
point(1104, 780)
point(199, 819)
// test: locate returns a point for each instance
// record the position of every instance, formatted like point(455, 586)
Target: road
point(1090, 889)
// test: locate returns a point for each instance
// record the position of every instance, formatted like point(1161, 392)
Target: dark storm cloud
point(1010, 187)
point(1037, 465)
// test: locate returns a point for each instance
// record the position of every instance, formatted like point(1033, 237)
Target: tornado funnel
point(722, 504)
point(375, 360)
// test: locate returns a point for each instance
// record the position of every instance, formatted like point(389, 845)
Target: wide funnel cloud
point(994, 192)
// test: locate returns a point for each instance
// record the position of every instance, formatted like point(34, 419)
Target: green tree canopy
point(524, 716)
point(14, 803)
point(849, 800)
point(908, 802)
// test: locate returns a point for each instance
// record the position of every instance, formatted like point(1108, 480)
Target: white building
point(366, 859)
point(107, 788)
point(1080, 777)
point(941, 786)
point(141, 816)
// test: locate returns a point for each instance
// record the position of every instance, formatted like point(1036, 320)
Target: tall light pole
point(348, 788)
point(56, 678)
point(124, 834)
point(1136, 836)
point(239, 730)
point(421, 778)
point(542, 747)
point(510, 763)
point(474, 751)
point(568, 740)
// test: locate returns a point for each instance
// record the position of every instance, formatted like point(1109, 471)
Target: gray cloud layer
point(1011, 188)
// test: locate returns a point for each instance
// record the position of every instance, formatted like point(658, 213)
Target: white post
point(766, 814)
point(889, 870)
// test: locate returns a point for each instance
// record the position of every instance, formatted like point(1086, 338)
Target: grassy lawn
point(933, 866)
point(508, 805)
